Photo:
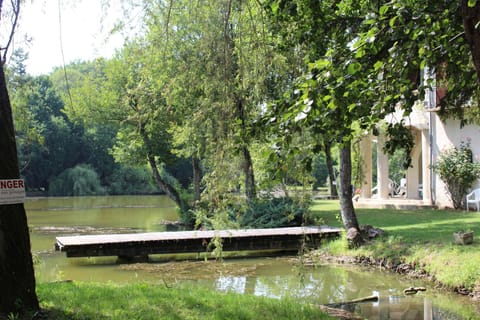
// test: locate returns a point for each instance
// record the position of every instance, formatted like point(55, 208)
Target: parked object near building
point(473, 198)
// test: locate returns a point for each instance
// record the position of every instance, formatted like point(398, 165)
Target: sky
point(80, 27)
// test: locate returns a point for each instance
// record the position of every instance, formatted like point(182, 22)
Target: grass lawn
point(423, 236)
point(76, 300)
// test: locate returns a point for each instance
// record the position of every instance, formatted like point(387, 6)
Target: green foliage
point(400, 137)
point(82, 180)
point(226, 216)
point(284, 166)
point(181, 169)
point(334, 95)
point(365, 61)
point(265, 212)
point(395, 32)
point(131, 180)
point(456, 168)
point(319, 170)
point(48, 141)
point(274, 213)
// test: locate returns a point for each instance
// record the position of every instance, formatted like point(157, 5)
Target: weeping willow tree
point(193, 86)
point(218, 66)
point(218, 84)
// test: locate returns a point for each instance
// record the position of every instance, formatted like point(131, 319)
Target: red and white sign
point(12, 191)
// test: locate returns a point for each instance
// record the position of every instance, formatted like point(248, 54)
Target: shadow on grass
point(413, 226)
point(59, 314)
point(421, 225)
point(54, 313)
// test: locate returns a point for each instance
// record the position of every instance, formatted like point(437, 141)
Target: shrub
point(457, 169)
point(82, 180)
point(259, 213)
point(273, 213)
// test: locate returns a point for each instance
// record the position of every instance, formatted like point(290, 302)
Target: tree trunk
point(247, 164)
point(232, 72)
point(169, 190)
point(250, 189)
point(471, 19)
point(166, 187)
point(196, 178)
point(17, 278)
point(331, 173)
point(347, 210)
point(346, 204)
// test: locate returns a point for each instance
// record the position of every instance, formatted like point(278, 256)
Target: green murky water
point(273, 277)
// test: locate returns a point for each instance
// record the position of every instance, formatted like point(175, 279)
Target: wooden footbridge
point(142, 244)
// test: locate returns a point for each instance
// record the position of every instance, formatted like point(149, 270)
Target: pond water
point(273, 277)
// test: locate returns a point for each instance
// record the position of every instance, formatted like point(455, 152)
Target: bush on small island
point(266, 212)
point(274, 213)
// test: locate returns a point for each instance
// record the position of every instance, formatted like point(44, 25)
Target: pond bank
point(418, 243)
point(400, 265)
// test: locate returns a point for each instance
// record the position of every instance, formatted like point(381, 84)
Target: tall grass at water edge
point(76, 300)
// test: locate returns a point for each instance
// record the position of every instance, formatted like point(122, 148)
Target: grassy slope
point(421, 236)
point(141, 301)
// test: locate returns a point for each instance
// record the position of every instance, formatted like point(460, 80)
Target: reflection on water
point(272, 277)
point(332, 284)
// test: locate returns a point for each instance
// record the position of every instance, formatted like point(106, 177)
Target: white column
point(366, 153)
point(413, 181)
point(413, 173)
point(426, 187)
point(382, 168)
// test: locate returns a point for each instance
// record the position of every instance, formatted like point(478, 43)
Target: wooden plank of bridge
point(143, 244)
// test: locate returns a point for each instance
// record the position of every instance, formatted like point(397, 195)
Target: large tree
point(326, 99)
point(17, 278)
point(365, 59)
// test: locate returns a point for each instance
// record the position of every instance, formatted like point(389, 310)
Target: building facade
point(432, 137)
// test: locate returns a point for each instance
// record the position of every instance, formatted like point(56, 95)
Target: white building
point(432, 136)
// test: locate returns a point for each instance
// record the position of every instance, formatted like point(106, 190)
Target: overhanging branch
point(16, 13)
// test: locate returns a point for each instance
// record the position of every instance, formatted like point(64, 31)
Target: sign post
point(12, 191)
